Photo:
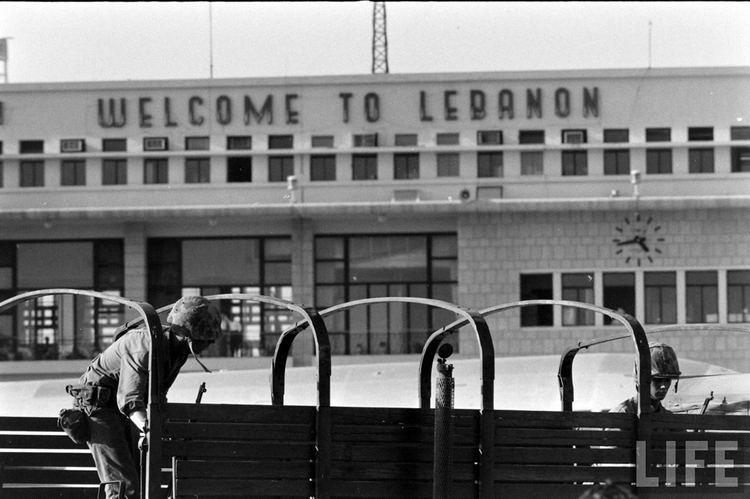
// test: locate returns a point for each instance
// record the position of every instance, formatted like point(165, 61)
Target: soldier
point(664, 369)
point(115, 387)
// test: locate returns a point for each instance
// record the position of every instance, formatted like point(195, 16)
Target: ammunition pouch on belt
point(75, 424)
point(91, 396)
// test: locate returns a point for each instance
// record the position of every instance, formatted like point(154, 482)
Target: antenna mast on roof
point(379, 39)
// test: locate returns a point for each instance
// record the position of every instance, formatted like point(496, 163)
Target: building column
point(303, 286)
point(136, 287)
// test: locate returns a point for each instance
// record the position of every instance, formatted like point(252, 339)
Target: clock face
point(638, 239)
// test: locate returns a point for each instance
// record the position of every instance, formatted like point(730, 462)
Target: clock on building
point(638, 239)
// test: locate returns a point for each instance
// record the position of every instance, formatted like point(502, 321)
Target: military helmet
point(198, 316)
point(663, 361)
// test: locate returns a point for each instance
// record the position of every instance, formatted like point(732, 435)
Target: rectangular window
point(197, 144)
point(532, 163)
point(660, 289)
point(616, 135)
point(72, 145)
point(658, 161)
point(701, 297)
point(73, 172)
point(447, 139)
point(575, 163)
point(155, 144)
point(32, 174)
point(31, 147)
point(323, 167)
point(738, 296)
point(155, 171)
point(366, 140)
point(740, 155)
point(114, 145)
point(531, 137)
point(536, 287)
point(489, 164)
point(197, 170)
point(739, 133)
point(447, 164)
point(701, 160)
point(1, 174)
point(700, 133)
point(114, 171)
point(489, 137)
point(280, 142)
point(578, 287)
point(364, 167)
point(619, 293)
point(405, 139)
point(658, 134)
point(322, 141)
point(280, 167)
point(240, 169)
point(574, 136)
point(405, 166)
point(237, 142)
point(617, 162)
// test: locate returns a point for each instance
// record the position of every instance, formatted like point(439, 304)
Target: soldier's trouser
point(111, 450)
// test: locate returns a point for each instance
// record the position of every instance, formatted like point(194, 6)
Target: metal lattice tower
point(379, 39)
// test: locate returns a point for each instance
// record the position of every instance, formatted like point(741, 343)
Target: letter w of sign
point(111, 119)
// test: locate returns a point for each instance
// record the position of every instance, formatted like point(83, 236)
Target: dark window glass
point(32, 174)
point(197, 143)
point(578, 287)
point(73, 172)
point(322, 140)
point(536, 287)
point(616, 135)
point(114, 145)
point(701, 297)
point(280, 141)
point(323, 167)
point(619, 293)
point(239, 169)
point(114, 171)
point(489, 164)
point(280, 167)
point(239, 142)
point(155, 171)
point(447, 139)
point(658, 134)
point(574, 163)
point(532, 162)
point(155, 144)
point(658, 161)
point(405, 166)
point(366, 140)
point(574, 136)
point(489, 137)
point(739, 133)
point(531, 137)
point(701, 160)
point(700, 133)
point(617, 162)
point(406, 139)
point(31, 147)
point(738, 296)
point(660, 290)
point(197, 170)
point(741, 159)
point(364, 167)
point(447, 164)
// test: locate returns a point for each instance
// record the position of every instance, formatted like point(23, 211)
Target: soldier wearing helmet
point(664, 369)
point(114, 387)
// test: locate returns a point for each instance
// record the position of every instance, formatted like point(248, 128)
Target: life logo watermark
point(696, 453)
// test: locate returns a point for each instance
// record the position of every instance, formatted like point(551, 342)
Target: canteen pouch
point(75, 424)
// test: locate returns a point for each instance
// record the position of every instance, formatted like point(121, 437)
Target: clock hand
point(628, 241)
point(642, 243)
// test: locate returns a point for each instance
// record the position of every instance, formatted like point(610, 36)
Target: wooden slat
point(187, 487)
point(48, 476)
point(230, 413)
point(373, 452)
point(239, 431)
point(49, 493)
point(696, 421)
point(375, 416)
point(353, 470)
point(549, 419)
point(391, 489)
point(542, 490)
point(699, 492)
point(23, 423)
point(563, 455)
point(554, 437)
point(10, 458)
point(216, 469)
point(252, 450)
point(21, 441)
point(561, 474)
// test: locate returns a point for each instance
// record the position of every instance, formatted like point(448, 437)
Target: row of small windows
point(701, 292)
point(484, 137)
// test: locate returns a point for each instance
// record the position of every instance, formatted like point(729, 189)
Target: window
point(280, 167)
point(114, 145)
point(322, 167)
point(617, 162)
point(701, 297)
point(536, 287)
point(366, 140)
point(31, 147)
point(447, 164)
point(197, 170)
point(447, 139)
point(406, 139)
point(1, 174)
point(155, 171)
point(532, 163)
point(490, 164)
point(489, 137)
point(616, 135)
point(155, 144)
point(197, 143)
point(703, 133)
point(574, 136)
point(32, 174)
point(574, 163)
point(531, 137)
point(578, 287)
point(72, 145)
point(740, 155)
point(364, 167)
point(235, 142)
point(658, 161)
point(322, 141)
point(280, 142)
point(738, 296)
point(239, 169)
point(660, 289)
point(405, 166)
point(701, 160)
point(114, 172)
point(619, 293)
point(73, 172)
point(658, 134)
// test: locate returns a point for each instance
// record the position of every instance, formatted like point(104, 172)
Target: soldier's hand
point(143, 442)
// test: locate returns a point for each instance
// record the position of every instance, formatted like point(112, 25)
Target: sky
point(98, 41)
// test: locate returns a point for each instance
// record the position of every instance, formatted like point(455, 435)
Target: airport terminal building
point(474, 188)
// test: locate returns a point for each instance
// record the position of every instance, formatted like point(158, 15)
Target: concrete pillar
point(303, 286)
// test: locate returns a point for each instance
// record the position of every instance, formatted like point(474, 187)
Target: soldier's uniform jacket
point(630, 406)
point(124, 367)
